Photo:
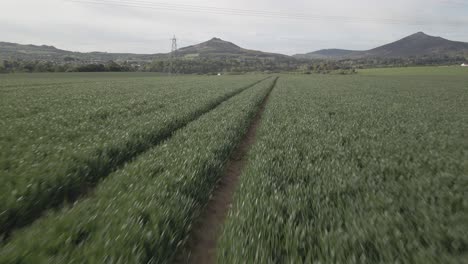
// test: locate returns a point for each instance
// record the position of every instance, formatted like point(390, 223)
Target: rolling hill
point(419, 44)
point(215, 49)
point(50, 53)
point(325, 54)
point(415, 45)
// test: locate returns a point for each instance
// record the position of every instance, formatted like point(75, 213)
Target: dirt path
point(201, 246)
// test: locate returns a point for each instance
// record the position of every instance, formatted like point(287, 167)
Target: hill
point(50, 53)
point(419, 44)
point(218, 48)
point(217, 55)
point(325, 54)
point(215, 49)
point(416, 45)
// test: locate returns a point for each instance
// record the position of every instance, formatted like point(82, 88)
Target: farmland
point(356, 170)
point(118, 168)
point(54, 147)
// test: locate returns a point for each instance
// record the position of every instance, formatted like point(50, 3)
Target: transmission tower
point(173, 54)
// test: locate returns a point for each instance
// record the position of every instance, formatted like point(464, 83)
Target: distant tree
point(2, 67)
point(68, 59)
point(44, 66)
point(112, 66)
point(91, 68)
point(27, 66)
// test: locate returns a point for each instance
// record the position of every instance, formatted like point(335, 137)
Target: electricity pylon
point(173, 54)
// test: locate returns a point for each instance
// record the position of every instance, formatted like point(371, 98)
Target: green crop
point(60, 137)
point(144, 212)
point(118, 168)
point(355, 169)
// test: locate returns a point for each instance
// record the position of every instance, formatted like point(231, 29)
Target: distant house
point(464, 65)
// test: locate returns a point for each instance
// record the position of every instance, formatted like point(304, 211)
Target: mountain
point(419, 44)
point(218, 48)
point(215, 49)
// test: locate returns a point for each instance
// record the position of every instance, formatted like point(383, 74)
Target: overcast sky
point(284, 26)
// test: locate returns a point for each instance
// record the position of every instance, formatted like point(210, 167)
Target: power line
point(220, 11)
point(265, 14)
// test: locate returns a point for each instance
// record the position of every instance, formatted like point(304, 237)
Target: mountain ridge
point(418, 44)
point(10, 50)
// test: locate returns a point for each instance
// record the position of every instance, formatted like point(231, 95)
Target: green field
point(356, 170)
point(63, 136)
point(428, 72)
point(118, 167)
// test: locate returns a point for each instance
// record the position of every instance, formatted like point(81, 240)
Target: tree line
point(206, 65)
point(178, 66)
point(17, 66)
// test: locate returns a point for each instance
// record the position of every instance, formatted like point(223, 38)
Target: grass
point(355, 169)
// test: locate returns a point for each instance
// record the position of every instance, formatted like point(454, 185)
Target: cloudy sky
point(284, 26)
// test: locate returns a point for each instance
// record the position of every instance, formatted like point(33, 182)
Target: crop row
point(143, 213)
point(354, 170)
point(70, 137)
